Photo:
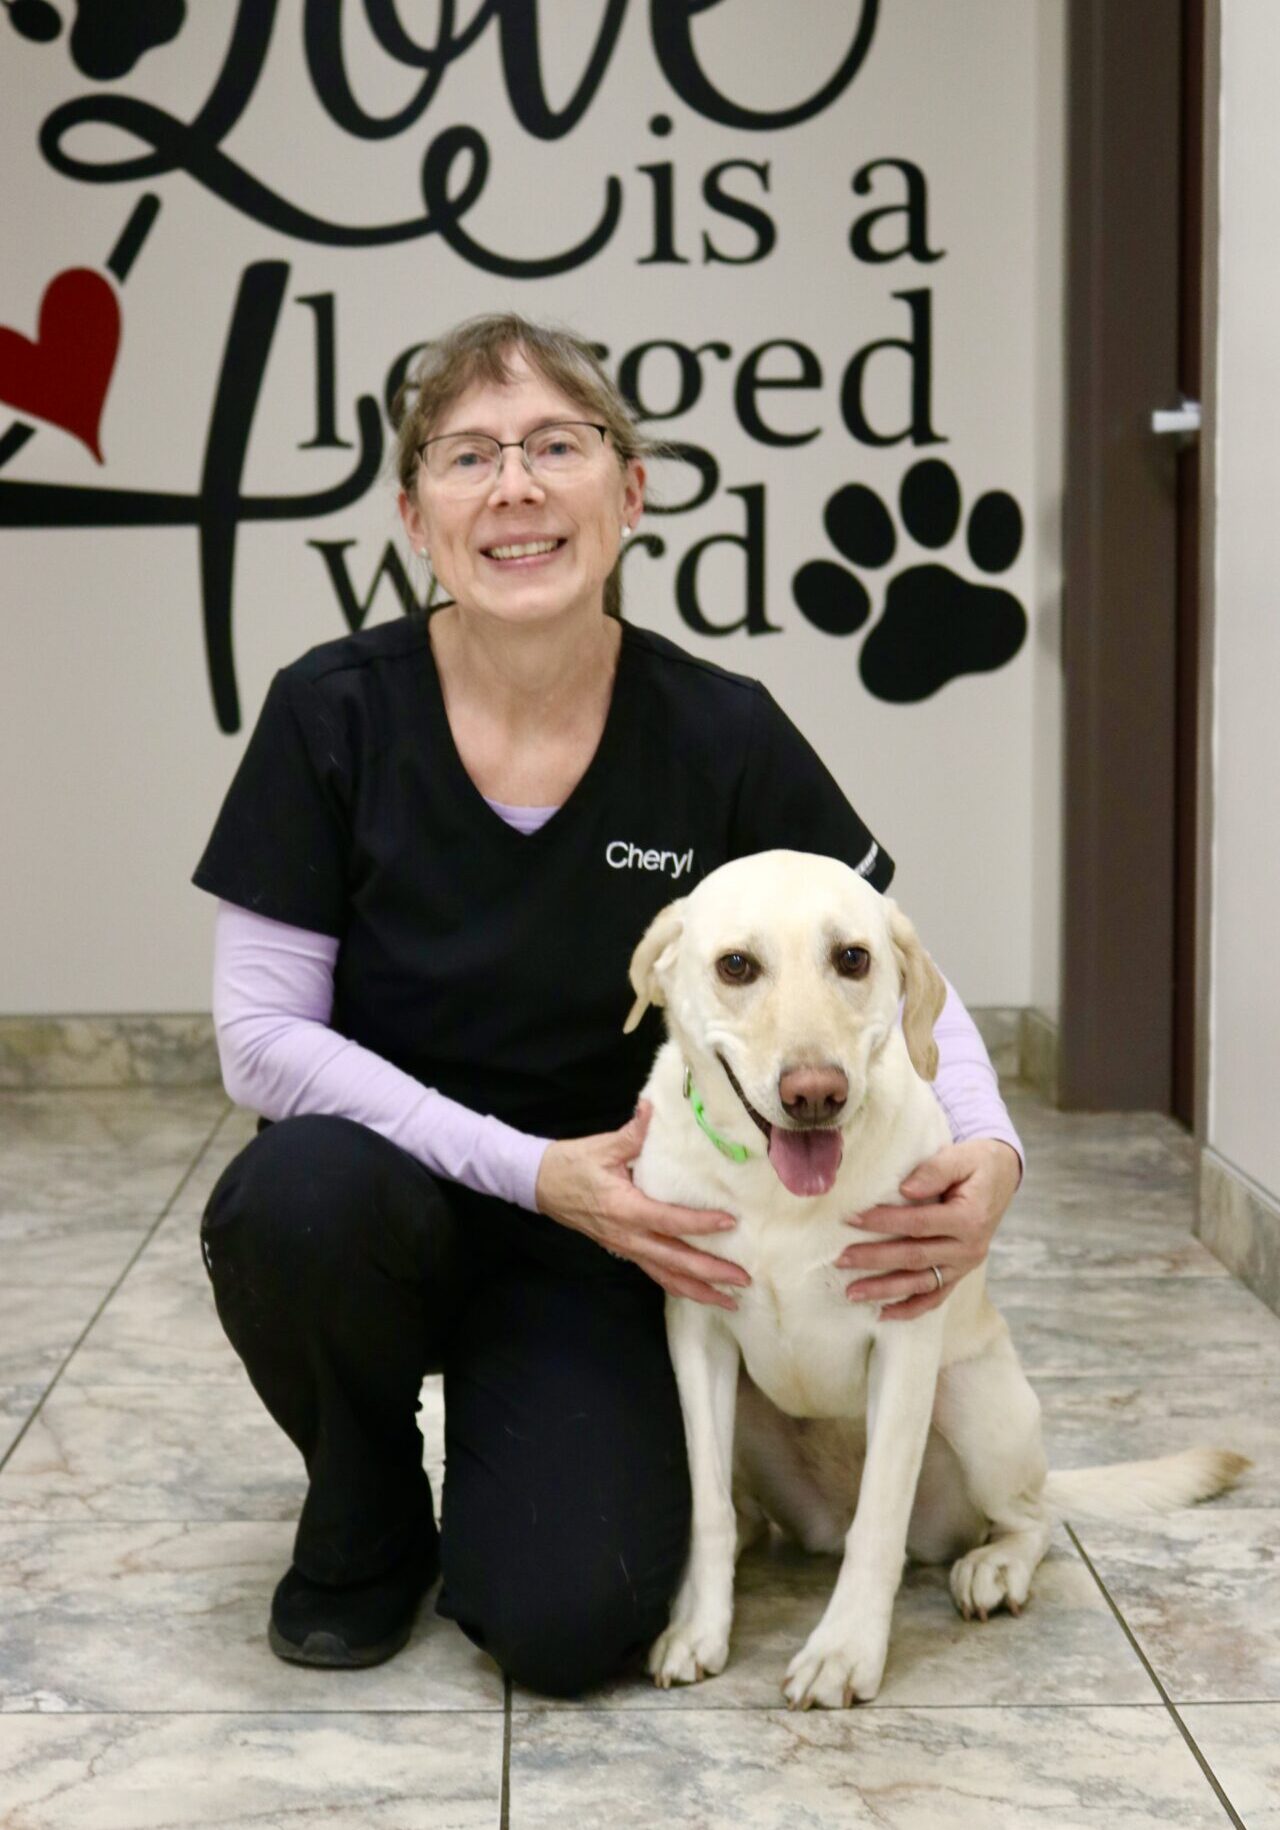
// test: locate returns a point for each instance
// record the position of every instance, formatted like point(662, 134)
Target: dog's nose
point(812, 1094)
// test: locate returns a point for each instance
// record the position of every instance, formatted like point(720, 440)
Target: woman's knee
point(567, 1612)
point(296, 1163)
point(304, 1192)
point(566, 1646)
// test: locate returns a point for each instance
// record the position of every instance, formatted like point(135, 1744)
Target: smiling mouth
point(524, 552)
point(807, 1160)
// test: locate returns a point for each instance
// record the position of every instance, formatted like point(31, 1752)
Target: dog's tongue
point(806, 1161)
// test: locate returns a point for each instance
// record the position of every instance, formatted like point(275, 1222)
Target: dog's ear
point(652, 959)
point(924, 991)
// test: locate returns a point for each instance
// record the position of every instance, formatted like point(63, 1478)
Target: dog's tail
point(1138, 1489)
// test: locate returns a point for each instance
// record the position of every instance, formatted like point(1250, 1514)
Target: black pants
point(343, 1272)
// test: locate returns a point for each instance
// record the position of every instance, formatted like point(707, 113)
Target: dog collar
point(737, 1153)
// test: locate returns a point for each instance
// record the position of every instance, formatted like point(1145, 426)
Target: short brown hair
point(478, 351)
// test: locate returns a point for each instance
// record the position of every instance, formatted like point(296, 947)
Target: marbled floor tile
point(1097, 1162)
point(1065, 1648)
point(88, 1185)
point(1241, 1742)
point(1098, 1140)
point(174, 1617)
point(1135, 1244)
point(1102, 1175)
point(1200, 1591)
point(103, 1155)
point(52, 1249)
point(1088, 1325)
point(161, 1325)
point(894, 1769)
point(1127, 1142)
point(1095, 1132)
point(1108, 1419)
point(153, 1452)
point(38, 1326)
point(1165, 1185)
point(128, 1120)
point(16, 1404)
point(252, 1772)
point(1154, 1189)
point(174, 1252)
point(237, 1129)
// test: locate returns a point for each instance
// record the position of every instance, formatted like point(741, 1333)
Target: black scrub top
point(488, 963)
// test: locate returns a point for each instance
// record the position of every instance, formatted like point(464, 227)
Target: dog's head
point(780, 976)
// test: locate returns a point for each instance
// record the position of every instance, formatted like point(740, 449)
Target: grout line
point(504, 1806)
point(1165, 1698)
point(303, 1715)
point(145, 1241)
point(487, 1712)
point(863, 1712)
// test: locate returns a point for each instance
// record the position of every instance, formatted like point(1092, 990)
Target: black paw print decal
point(936, 625)
point(108, 37)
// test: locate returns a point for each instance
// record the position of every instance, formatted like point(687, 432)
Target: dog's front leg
point(705, 1357)
point(842, 1661)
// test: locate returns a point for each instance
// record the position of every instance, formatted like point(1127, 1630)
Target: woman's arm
point(272, 1001)
point(957, 1197)
point(966, 1085)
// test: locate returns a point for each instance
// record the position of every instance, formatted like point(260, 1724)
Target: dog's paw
point(834, 1675)
point(687, 1652)
point(993, 1576)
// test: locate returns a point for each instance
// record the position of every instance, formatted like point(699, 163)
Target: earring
point(625, 530)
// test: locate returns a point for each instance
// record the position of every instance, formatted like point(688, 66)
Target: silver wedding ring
point(937, 1273)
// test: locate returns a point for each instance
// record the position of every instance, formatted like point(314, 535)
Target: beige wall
point(1244, 998)
point(113, 764)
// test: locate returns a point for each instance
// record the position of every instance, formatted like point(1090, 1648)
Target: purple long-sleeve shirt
point(272, 1001)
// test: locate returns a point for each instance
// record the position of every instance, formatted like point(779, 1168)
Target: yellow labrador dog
point(789, 1094)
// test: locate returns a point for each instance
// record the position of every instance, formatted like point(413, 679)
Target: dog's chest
point(803, 1343)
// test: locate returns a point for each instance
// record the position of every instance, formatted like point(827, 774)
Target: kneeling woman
point(445, 837)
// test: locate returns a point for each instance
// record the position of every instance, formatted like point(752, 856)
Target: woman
point(443, 842)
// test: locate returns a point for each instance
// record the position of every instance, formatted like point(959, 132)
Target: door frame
point(1208, 474)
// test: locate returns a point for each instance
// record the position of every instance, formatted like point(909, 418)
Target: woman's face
point(585, 512)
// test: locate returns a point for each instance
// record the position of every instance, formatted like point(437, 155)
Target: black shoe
point(362, 1624)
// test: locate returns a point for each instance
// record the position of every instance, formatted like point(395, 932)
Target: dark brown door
point(1131, 349)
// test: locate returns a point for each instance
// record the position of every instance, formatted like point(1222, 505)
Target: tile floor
point(147, 1506)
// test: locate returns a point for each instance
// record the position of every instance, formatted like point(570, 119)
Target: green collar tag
point(737, 1153)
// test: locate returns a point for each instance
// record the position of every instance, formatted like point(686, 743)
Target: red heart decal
point(64, 375)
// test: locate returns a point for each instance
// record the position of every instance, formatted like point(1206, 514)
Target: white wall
point(113, 761)
point(1244, 1048)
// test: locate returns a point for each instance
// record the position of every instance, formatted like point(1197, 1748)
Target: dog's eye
point(737, 968)
point(852, 962)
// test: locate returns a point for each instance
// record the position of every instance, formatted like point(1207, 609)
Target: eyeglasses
point(462, 462)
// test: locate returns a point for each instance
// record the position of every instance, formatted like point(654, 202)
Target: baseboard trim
point(181, 1050)
point(108, 1051)
point(999, 1025)
point(1240, 1224)
point(1038, 1053)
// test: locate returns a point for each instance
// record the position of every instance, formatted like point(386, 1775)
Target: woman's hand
point(584, 1182)
point(958, 1199)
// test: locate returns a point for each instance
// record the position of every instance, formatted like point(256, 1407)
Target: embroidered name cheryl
point(623, 856)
